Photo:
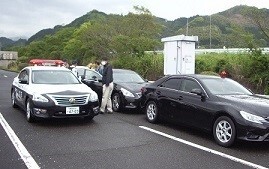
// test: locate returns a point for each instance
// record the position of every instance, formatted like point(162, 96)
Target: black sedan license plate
point(72, 110)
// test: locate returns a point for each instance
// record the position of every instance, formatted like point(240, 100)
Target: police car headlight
point(127, 93)
point(39, 98)
point(93, 97)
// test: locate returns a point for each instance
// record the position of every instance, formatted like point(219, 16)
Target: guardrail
point(227, 50)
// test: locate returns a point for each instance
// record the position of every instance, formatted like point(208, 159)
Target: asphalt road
point(116, 141)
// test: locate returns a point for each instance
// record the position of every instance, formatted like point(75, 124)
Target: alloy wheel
point(224, 131)
point(152, 112)
point(116, 102)
point(13, 100)
point(29, 117)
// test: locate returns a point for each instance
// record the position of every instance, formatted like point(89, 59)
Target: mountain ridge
point(223, 21)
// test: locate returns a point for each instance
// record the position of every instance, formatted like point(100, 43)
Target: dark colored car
point(214, 104)
point(127, 87)
point(52, 92)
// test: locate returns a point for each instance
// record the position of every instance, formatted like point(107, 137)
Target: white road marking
point(25, 155)
point(205, 148)
point(5, 75)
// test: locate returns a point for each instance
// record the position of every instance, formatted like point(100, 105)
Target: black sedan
point(127, 87)
point(214, 104)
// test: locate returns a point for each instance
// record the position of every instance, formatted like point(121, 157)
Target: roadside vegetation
point(250, 69)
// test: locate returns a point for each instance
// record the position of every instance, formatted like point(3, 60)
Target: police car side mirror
point(23, 81)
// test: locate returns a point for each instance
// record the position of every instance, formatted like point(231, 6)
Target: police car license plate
point(72, 110)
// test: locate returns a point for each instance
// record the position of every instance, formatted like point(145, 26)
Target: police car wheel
point(29, 114)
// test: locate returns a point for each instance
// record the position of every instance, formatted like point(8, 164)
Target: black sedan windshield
point(53, 77)
point(221, 86)
point(127, 77)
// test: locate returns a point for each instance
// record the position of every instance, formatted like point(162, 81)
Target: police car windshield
point(53, 77)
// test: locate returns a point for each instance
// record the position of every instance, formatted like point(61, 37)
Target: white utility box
point(179, 54)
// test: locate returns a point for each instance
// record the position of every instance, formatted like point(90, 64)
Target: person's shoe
point(109, 112)
point(100, 112)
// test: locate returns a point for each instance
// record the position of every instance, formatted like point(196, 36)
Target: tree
point(239, 38)
point(259, 17)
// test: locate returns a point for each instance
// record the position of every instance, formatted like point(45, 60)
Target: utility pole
point(187, 30)
point(210, 32)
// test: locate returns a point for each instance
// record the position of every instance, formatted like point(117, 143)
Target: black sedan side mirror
point(94, 78)
point(82, 77)
point(198, 92)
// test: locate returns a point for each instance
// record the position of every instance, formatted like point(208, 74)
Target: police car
point(52, 92)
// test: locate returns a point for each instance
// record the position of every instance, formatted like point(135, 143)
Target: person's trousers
point(106, 99)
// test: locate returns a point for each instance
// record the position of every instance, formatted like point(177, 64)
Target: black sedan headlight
point(127, 93)
point(252, 118)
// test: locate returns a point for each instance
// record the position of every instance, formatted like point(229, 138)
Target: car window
point(53, 77)
point(172, 83)
point(219, 86)
point(188, 85)
point(80, 71)
point(90, 74)
point(23, 75)
point(127, 77)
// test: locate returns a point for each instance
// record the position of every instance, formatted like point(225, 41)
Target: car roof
point(123, 70)
point(197, 76)
point(82, 67)
point(46, 68)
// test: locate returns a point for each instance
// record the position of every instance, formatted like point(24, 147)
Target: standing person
point(73, 67)
point(100, 67)
point(107, 81)
point(65, 64)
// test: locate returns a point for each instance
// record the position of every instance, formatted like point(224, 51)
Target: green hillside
point(96, 34)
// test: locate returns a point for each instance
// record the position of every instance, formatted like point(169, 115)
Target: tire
point(29, 115)
point(88, 118)
point(116, 102)
point(14, 105)
point(152, 113)
point(224, 131)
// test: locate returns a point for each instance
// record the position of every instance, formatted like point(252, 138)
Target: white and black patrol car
point(52, 92)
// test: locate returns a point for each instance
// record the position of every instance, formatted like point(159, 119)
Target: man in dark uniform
point(107, 82)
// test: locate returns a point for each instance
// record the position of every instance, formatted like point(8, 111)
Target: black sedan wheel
point(116, 102)
point(29, 115)
point(152, 112)
point(224, 131)
point(14, 105)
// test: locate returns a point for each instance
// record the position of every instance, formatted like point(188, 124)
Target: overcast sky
point(24, 18)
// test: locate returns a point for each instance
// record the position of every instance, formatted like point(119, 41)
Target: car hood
point(70, 89)
point(133, 87)
point(254, 104)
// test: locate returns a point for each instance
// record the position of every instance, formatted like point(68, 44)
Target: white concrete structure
point(179, 54)
point(6, 57)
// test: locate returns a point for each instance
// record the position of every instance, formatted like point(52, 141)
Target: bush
point(150, 66)
point(22, 65)
point(209, 73)
point(12, 66)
